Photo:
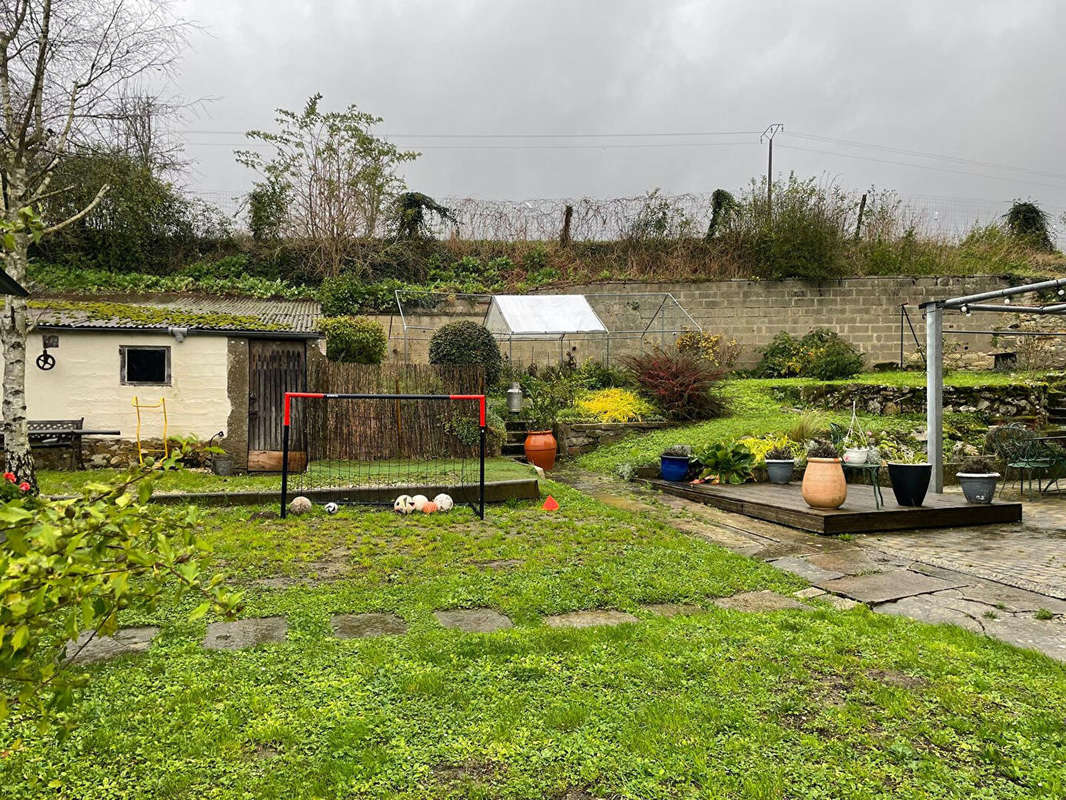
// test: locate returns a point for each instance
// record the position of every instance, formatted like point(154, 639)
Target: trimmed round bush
point(354, 340)
point(466, 343)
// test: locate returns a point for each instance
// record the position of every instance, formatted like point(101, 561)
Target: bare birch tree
point(64, 65)
point(333, 178)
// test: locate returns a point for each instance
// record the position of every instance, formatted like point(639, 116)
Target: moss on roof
point(72, 313)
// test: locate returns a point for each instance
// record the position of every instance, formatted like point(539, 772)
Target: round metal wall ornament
point(46, 361)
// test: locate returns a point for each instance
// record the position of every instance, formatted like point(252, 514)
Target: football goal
point(370, 448)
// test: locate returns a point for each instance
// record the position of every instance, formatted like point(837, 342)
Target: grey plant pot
point(979, 488)
point(780, 471)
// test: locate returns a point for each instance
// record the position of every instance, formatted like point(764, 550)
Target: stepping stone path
point(473, 620)
point(588, 619)
point(89, 649)
point(759, 601)
point(358, 626)
point(245, 633)
point(806, 570)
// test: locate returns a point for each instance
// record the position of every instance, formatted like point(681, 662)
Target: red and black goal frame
point(286, 427)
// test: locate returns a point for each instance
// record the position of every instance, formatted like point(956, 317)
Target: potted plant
point(909, 473)
point(977, 477)
point(823, 479)
point(780, 461)
point(542, 408)
point(674, 462)
point(726, 463)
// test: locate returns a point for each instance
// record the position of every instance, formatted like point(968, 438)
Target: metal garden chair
point(1021, 451)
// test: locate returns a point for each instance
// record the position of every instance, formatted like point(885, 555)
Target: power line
point(924, 154)
point(919, 166)
point(644, 145)
point(517, 135)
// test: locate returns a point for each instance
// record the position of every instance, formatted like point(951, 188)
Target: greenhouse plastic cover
point(539, 314)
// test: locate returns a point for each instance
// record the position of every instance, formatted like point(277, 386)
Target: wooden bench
point(58, 434)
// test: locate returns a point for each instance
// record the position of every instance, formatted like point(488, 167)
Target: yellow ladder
point(162, 407)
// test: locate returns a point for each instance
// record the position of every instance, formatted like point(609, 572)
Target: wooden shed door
point(274, 367)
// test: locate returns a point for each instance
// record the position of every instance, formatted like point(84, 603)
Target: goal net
point(370, 448)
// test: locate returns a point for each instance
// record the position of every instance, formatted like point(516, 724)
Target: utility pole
point(768, 136)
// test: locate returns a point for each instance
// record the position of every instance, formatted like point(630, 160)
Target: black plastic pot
point(910, 482)
point(979, 488)
point(780, 470)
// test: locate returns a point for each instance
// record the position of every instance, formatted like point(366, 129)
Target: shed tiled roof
point(196, 313)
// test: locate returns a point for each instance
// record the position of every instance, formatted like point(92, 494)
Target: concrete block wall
point(866, 311)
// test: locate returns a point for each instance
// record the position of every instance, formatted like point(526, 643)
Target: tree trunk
point(17, 456)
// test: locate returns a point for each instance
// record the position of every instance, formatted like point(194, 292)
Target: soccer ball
point(444, 502)
point(418, 501)
point(429, 507)
point(332, 508)
point(403, 504)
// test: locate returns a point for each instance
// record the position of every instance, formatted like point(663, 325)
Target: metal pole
point(901, 312)
point(284, 469)
point(481, 482)
point(934, 393)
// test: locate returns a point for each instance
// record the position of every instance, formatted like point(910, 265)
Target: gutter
point(232, 333)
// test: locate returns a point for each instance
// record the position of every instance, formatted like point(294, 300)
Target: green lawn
point(60, 482)
point(791, 704)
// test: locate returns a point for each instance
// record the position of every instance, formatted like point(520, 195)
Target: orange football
point(429, 507)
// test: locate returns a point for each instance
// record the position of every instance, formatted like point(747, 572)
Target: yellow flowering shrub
point(615, 405)
point(761, 445)
point(712, 347)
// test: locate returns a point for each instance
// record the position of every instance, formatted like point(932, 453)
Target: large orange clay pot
point(823, 483)
point(540, 449)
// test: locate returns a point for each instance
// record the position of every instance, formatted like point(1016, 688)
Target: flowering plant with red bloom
point(10, 477)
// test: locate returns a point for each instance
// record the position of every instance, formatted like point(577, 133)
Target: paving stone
point(358, 626)
point(851, 561)
point(588, 619)
point(89, 649)
point(473, 620)
point(806, 570)
point(1016, 600)
point(840, 603)
point(928, 609)
point(758, 601)
point(674, 609)
point(1044, 636)
point(809, 592)
point(882, 587)
point(243, 633)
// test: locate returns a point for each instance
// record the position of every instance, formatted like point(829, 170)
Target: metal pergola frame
point(606, 335)
point(934, 350)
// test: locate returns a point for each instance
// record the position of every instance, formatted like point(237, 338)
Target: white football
point(418, 501)
point(403, 504)
point(444, 502)
point(332, 508)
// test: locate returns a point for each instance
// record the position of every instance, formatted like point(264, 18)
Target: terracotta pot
point(823, 483)
point(540, 449)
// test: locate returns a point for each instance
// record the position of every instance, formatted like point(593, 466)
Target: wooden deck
point(785, 505)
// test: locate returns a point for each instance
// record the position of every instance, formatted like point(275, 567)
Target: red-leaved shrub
point(682, 385)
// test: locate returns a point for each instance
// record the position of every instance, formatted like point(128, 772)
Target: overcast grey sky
point(979, 81)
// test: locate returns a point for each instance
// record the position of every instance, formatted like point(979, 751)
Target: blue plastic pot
point(673, 468)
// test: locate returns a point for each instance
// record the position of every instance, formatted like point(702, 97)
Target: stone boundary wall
point(1006, 401)
point(865, 310)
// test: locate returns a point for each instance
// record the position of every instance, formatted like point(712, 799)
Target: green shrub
point(821, 354)
point(464, 343)
point(726, 463)
point(348, 294)
point(354, 340)
point(595, 375)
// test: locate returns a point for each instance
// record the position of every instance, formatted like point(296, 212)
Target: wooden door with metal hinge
point(274, 367)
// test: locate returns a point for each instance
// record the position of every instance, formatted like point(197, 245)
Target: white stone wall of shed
point(87, 382)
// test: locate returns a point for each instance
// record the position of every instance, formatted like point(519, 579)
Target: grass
point(812, 704)
point(61, 482)
point(755, 411)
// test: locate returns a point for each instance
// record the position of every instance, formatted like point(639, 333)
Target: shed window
point(145, 365)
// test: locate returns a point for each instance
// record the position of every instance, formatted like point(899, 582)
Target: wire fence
point(661, 216)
